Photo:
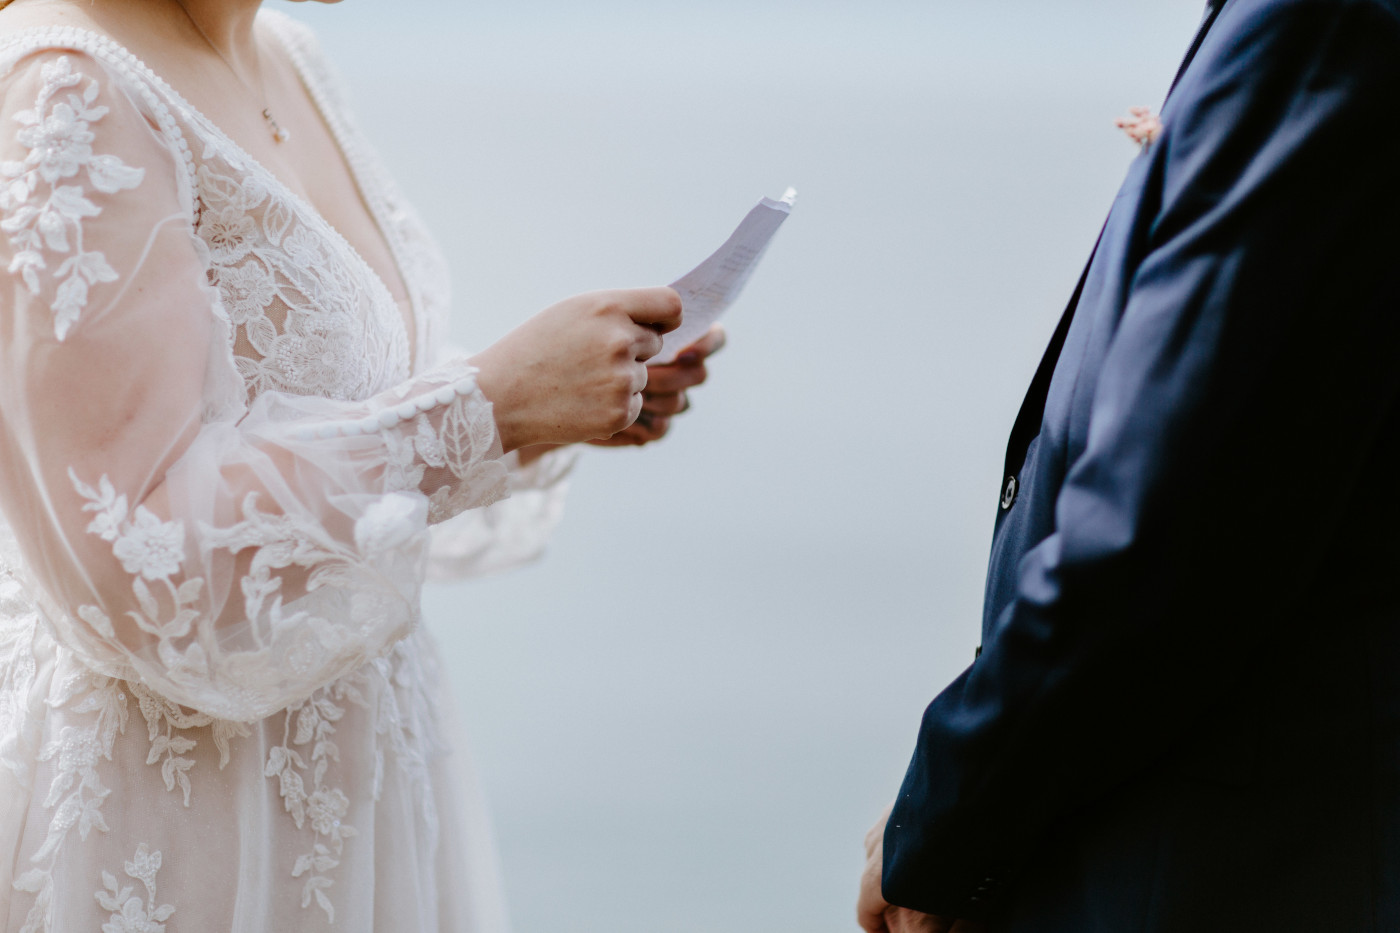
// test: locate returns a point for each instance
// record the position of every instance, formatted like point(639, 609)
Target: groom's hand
point(876, 915)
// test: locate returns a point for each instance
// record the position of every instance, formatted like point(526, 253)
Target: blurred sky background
point(687, 715)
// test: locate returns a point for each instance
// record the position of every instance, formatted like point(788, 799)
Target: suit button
point(1008, 497)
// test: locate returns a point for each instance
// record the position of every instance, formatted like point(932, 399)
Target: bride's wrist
point(505, 408)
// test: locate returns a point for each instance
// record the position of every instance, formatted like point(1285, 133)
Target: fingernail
point(688, 357)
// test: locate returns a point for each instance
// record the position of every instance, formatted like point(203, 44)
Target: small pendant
point(279, 135)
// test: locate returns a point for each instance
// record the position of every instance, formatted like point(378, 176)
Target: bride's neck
point(226, 24)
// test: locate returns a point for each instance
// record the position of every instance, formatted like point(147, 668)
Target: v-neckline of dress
point(411, 331)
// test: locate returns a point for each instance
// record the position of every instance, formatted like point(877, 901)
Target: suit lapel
point(1213, 8)
point(1028, 419)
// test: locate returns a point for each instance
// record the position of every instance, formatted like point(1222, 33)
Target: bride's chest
point(309, 314)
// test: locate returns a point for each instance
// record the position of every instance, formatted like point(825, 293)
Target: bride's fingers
point(617, 440)
point(634, 407)
point(646, 345)
point(676, 377)
point(649, 427)
point(688, 369)
point(664, 403)
point(708, 345)
point(644, 430)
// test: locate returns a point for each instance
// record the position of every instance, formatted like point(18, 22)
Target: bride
point(232, 446)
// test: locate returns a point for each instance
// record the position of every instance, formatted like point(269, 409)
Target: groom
point(1187, 713)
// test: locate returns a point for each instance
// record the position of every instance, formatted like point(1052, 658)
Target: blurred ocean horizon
point(688, 713)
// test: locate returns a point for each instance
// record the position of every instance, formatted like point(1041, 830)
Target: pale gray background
point(688, 714)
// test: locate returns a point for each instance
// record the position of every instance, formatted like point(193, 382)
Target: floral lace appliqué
point(19, 740)
point(150, 550)
point(76, 793)
point(302, 324)
point(165, 724)
point(130, 914)
point(43, 215)
point(396, 691)
point(323, 806)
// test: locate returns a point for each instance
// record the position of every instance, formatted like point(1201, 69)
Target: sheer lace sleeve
point(478, 541)
point(508, 533)
point(233, 559)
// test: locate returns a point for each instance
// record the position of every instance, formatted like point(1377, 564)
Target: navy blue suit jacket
point(1186, 716)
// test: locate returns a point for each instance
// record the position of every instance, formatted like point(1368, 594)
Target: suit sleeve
point(1245, 390)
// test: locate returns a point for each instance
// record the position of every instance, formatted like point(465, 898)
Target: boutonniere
point(1142, 126)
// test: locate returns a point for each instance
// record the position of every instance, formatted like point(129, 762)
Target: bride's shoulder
point(32, 35)
point(27, 21)
point(46, 48)
point(71, 96)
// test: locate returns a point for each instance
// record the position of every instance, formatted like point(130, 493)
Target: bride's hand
point(665, 393)
point(574, 372)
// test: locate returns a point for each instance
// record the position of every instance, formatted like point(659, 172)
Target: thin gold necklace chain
point(279, 135)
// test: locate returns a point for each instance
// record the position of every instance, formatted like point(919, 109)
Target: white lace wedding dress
point(223, 483)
